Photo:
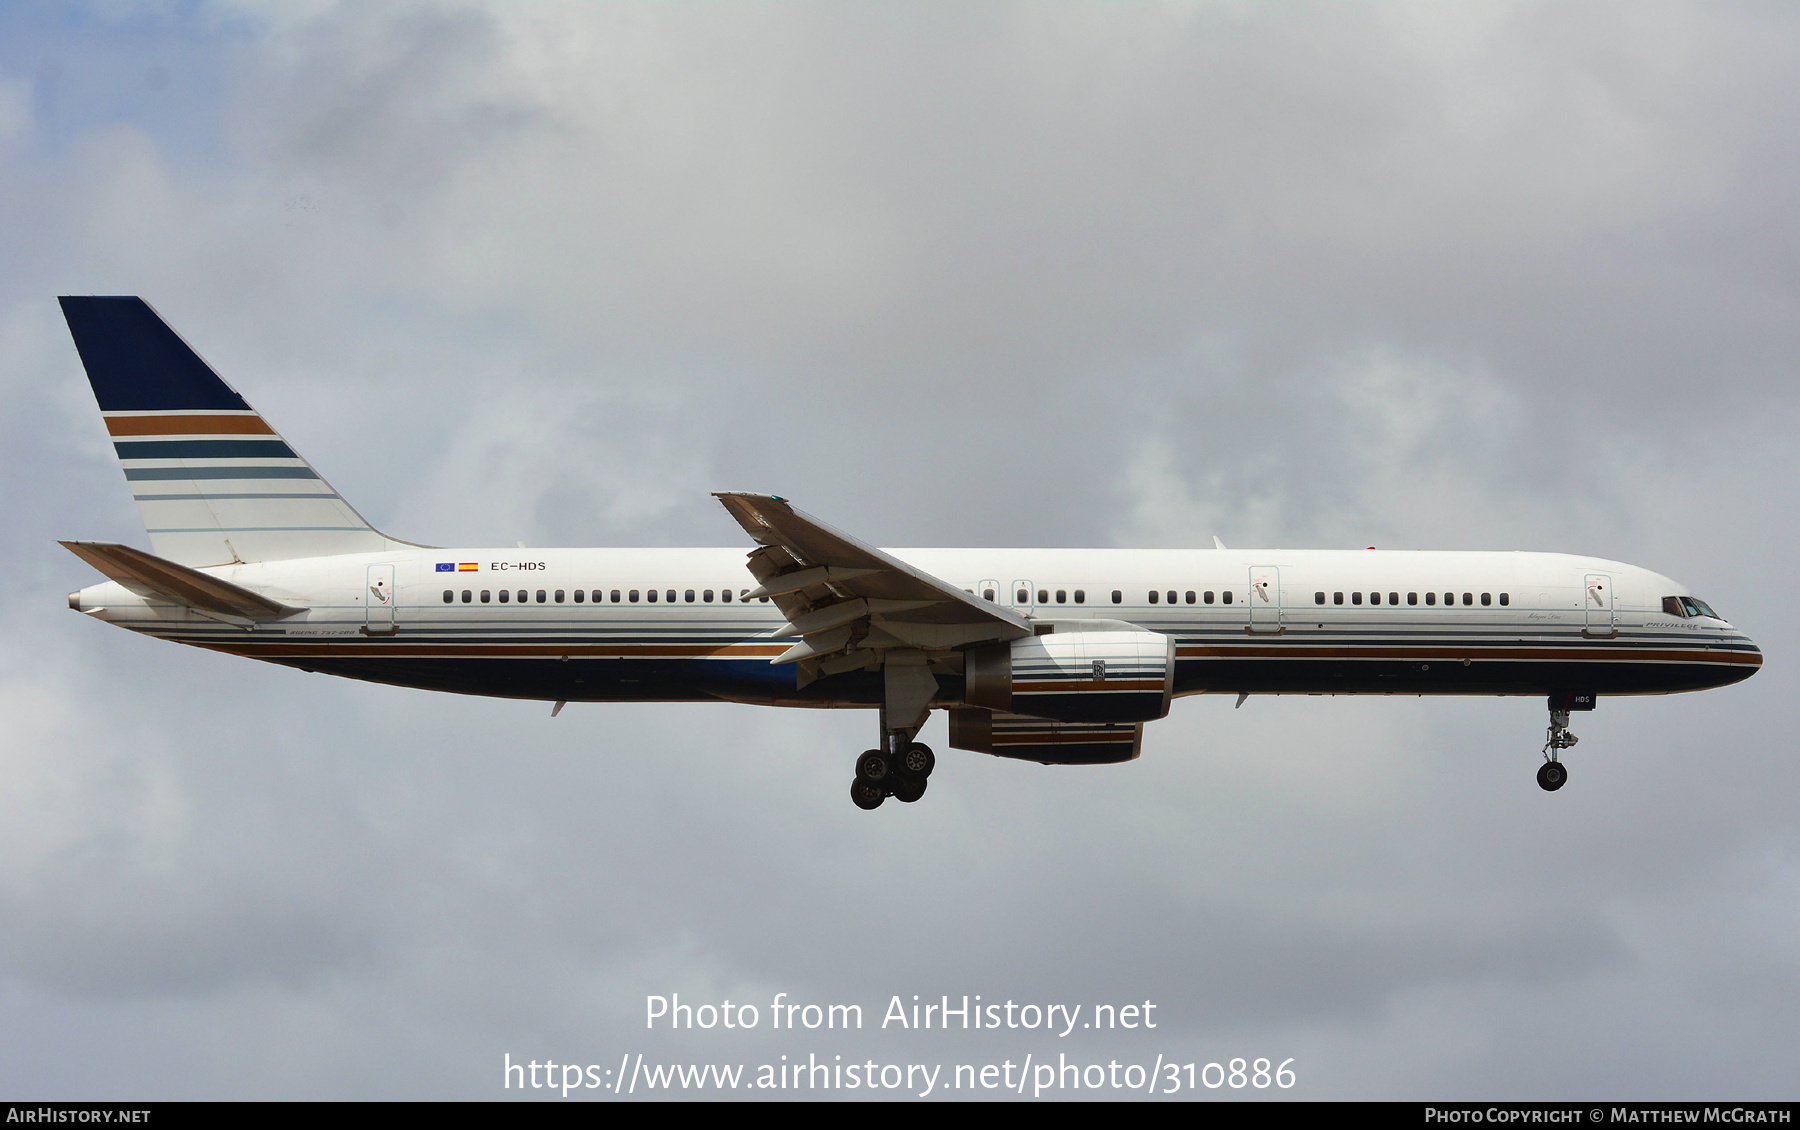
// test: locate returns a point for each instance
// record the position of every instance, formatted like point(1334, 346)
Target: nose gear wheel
point(1553, 775)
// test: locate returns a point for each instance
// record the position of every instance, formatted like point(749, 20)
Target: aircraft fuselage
point(671, 625)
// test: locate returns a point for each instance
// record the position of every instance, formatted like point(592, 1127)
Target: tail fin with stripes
point(213, 482)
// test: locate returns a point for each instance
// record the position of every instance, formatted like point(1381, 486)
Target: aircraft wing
point(149, 575)
point(848, 600)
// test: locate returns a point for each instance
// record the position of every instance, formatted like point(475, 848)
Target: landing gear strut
point(900, 767)
point(1553, 775)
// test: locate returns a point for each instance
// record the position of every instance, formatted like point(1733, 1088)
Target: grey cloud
point(1513, 276)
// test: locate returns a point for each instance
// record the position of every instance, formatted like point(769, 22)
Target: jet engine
point(1075, 676)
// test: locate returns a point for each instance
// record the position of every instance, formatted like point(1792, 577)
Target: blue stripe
point(178, 473)
point(208, 497)
point(205, 449)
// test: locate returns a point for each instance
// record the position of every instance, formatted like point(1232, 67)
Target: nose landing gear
point(1553, 775)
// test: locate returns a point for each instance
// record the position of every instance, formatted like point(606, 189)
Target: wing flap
point(840, 593)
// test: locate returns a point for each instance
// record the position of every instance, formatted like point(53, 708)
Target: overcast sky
point(1519, 276)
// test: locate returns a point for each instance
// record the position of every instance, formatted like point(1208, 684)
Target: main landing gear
point(900, 774)
point(1553, 775)
point(899, 769)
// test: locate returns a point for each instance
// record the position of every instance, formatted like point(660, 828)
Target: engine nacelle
point(1103, 676)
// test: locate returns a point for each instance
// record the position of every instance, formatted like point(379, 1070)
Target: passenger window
point(559, 596)
point(1468, 598)
point(466, 595)
point(1356, 598)
point(1207, 596)
point(1153, 596)
point(1062, 596)
point(1393, 598)
point(1449, 599)
point(1118, 597)
point(1412, 598)
point(706, 596)
point(1337, 598)
point(484, 596)
point(1080, 596)
point(1171, 596)
point(1318, 598)
point(671, 595)
point(505, 594)
point(1043, 596)
point(541, 595)
point(615, 596)
point(725, 595)
point(688, 596)
point(987, 594)
point(449, 595)
point(1227, 595)
point(1505, 599)
point(1191, 596)
point(1487, 598)
point(649, 595)
point(579, 595)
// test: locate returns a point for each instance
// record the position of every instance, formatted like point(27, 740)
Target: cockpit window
point(1699, 608)
point(1688, 606)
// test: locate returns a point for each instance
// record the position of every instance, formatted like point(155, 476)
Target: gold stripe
point(192, 425)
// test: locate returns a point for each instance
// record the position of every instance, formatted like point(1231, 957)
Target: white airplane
point(1052, 655)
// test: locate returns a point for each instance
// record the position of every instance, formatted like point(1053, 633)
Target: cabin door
point(1602, 613)
point(1265, 598)
point(379, 600)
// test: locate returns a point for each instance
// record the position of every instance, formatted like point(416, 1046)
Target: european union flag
point(446, 567)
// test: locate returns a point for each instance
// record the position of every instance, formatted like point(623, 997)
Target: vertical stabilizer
point(213, 482)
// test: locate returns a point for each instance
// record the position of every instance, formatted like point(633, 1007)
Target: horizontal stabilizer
point(149, 575)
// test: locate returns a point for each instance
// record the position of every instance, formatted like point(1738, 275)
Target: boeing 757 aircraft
point(1052, 655)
